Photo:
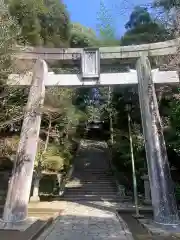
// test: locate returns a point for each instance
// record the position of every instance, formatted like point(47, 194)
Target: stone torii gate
point(163, 200)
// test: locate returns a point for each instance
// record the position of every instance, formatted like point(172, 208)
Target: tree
point(42, 22)
point(59, 120)
point(12, 99)
point(55, 24)
point(142, 28)
point(9, 30)
point(82, 36)
point(170, 10)
point(167, 4)
point(139, 16)
point(26, 13)
point(105, 27)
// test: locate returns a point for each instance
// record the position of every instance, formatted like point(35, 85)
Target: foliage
point(167, 4)
point(81, 36)
point(8, 146)
point(42, 22)
point(105, 26)
point(52, 160)
point(26, 13)
point(55, 24)
point(12, 108)
point(59, 122)
point(8, 33)
point(121, 147)
point(12, 99)
point(142, 28)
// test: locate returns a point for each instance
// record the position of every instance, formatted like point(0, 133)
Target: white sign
point(90, 63)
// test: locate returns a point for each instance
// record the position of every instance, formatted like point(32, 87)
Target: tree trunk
point(16, 206)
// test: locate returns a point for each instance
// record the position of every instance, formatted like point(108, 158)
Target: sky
point(86, 11)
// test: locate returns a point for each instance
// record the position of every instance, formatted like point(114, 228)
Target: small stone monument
point(147, 190)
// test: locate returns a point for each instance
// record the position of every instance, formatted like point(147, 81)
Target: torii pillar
point(16, 206)
point(162, 190)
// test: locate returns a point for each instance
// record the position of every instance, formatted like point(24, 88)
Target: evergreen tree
point(82, 36)
point(42, 22)
point(142, 28)
point(167, 4)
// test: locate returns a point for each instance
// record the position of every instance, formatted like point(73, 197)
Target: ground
point(83, 221)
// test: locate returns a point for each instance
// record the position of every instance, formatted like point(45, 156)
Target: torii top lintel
point(120, 52)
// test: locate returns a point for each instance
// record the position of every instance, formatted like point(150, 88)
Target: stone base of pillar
point(34, 199)
point(160, 230)
point(18, 226)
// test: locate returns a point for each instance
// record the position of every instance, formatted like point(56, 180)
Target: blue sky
point(85, 11)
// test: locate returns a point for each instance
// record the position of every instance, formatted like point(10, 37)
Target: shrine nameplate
point(90, 63)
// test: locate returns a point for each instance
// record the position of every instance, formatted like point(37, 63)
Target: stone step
point(90, 180)
point(89, 192)
point(95, 189)
point(92, 183)
point(110, 194)
point(93, 179)
point(92, 173)
point(92, 186)
point(102, 171)
point(90, 198)
point(87, 186)
point(91, 176)
point(95, 185)
point(95, 170)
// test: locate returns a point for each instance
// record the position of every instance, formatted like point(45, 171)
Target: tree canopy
point(142, 28)
point(167, 4)
point(42, 22)
point(81, 36)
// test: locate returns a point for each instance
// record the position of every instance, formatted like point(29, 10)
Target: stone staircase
point(92, 179)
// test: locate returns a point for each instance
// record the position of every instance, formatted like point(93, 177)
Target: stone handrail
point(169, 47)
